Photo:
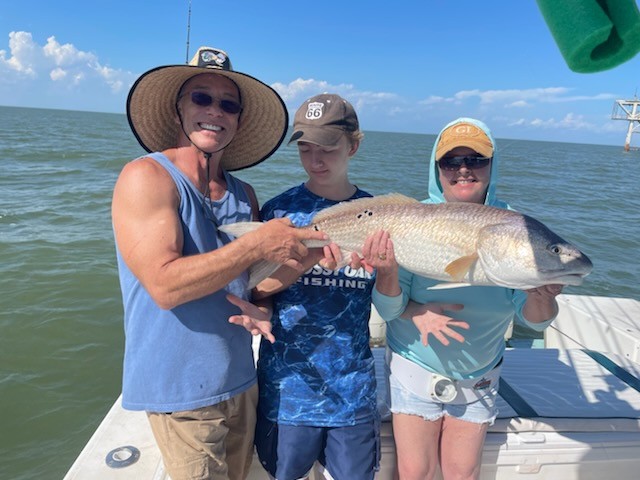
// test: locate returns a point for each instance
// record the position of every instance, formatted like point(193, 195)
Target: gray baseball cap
point(323, 119)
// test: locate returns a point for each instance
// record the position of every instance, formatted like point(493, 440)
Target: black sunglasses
point(452, 164)
point(204, 100)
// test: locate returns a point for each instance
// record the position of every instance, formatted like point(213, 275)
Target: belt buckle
point(442, 389)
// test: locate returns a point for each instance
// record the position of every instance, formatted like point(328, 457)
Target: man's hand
point(281, 242)
point(257, 320)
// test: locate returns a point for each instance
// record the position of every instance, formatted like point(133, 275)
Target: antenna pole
point(188, 32)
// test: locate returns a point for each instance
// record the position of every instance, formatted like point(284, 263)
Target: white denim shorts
point(402, 400)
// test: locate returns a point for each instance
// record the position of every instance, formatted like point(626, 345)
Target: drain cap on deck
point(122, 456)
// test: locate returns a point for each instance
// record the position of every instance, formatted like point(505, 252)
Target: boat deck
point(570, 410)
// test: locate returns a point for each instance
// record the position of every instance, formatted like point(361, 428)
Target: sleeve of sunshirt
point(519, 299)
point(391, 308)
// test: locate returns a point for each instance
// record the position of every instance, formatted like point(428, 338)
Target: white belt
point(439, 388)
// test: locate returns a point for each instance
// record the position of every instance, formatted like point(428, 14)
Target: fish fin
point(459, 267)
point(445, 285)
point(240, 228)
point(364, 203)
point(315, 243)
point(395, 198)
point(261, 270)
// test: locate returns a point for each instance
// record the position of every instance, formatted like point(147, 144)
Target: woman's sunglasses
point(452, 164)
point(204, 100)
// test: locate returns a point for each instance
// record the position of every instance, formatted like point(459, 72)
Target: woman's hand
point(378, 252)
point(431, 318)
point(541, 304)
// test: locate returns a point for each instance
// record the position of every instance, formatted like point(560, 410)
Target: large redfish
point(461, 243)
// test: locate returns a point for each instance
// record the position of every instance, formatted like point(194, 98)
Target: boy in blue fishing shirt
point(317, 382)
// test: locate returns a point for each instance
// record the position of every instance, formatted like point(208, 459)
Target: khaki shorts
point(213, 442)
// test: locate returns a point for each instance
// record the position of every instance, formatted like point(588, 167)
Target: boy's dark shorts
point(288, 452)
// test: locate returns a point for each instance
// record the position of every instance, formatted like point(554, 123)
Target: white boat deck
point(564, 413)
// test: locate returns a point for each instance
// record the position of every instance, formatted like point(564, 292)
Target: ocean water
point(61, 339)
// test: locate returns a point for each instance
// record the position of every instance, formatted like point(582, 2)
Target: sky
point(406, 66)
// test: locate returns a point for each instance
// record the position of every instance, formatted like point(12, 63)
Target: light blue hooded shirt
point(487, 310)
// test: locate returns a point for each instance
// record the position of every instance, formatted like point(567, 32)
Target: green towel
point(593, 35)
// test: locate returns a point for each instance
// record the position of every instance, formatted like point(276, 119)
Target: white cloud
point(66, 55)
point(517, 97)
point(301, 88)
point(570, 121)
point(78, 78)
point(434, 100)
point(62, 64)
point(23, 56)
point(518, 104)
point(57, 74)
point(297, 91)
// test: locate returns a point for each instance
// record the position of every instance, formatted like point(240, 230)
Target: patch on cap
point(211, 57)
point(314, 111)
point(464, 135)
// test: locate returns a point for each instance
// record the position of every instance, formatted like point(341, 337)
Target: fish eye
point(555, 249)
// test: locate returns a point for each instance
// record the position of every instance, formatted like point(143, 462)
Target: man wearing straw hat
point(185, 364)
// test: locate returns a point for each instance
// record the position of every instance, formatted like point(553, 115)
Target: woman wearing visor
point(441, 393)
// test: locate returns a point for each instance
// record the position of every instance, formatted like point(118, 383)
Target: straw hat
point(151, 109)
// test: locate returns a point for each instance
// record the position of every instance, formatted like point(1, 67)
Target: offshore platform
point(628, 110)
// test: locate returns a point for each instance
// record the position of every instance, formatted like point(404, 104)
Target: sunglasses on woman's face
point(452, 164)
point(204, 100)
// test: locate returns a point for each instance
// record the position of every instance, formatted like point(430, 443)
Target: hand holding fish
point(541, 304)
point(282, 243)
point(378, 252)
point(257, 320)
point(546, 291)
point(430, 318)
point(331, 257)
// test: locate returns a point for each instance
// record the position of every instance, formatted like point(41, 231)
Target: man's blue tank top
point(190, 356)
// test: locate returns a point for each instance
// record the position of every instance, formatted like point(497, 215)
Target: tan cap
point(464, 134)
point(323, 119)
